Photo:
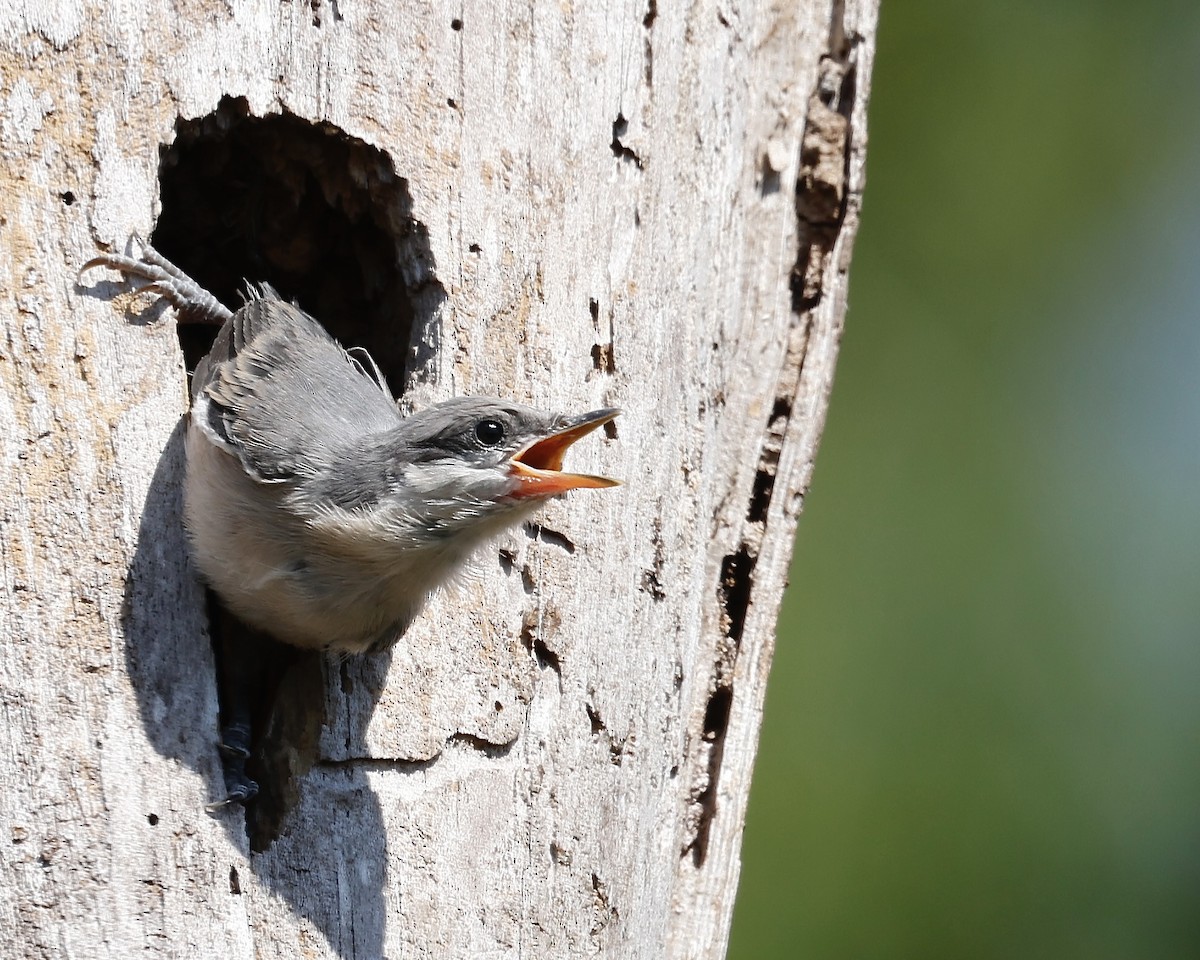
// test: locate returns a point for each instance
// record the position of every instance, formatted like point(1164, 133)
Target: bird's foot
point(194, 303)
point(235, 751)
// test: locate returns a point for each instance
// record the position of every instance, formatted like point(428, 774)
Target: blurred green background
point(982, 733)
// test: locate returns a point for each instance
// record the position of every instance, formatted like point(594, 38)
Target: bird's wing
point(281, 394)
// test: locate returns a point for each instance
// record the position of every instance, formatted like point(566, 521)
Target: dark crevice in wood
point(768, 458)
point(536, 531)
point(764, 486)
point(821, 193)
point(733, 591)
point(770, 182)
point(648, 43)
point(620, 127)
point(602, 358)
point(716, 723)
point(546, 658)
point(489, 748)
point(406, 765)
point(716, 714)
point(402, 765)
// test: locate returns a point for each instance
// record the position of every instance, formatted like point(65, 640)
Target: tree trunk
point(569, 205)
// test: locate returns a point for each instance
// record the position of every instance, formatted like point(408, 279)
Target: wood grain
point(648, 207)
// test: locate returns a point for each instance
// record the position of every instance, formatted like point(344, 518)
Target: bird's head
point(472, 458)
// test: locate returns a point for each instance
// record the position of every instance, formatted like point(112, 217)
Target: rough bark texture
point(631, 204)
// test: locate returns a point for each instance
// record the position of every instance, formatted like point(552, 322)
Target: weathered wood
point(650, 207)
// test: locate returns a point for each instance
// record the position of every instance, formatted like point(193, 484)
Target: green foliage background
point(982, 734)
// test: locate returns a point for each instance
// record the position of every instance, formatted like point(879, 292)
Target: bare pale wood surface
point(629, 205)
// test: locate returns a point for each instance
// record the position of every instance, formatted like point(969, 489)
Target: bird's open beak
point(538, 465)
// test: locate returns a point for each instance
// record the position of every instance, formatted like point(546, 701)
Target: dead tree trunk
point(642, 205)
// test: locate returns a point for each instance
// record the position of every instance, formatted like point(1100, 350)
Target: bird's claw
point(236, 794)
point(235, 751)
point(167, 280)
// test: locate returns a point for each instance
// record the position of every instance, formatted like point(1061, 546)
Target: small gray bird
point(315, 510)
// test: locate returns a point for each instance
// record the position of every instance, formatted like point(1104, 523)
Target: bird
point(315, 510)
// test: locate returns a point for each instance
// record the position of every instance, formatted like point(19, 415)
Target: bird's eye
point(489, 432)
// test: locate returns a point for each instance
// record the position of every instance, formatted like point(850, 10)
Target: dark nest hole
point(324, 219)
point(319, 215)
